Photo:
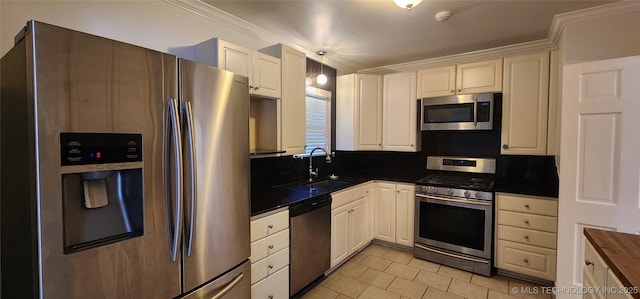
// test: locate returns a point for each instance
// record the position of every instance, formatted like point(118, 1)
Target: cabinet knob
point(527, 222)
point(270, 226)
point(526, 260)
point(256, 88)
point(270, 296)
point(505, 146)
point(411, 145)
point(270, 246)
point(452, 91)
point(270, 266)
point(527, 206)
point(588, 262)
point(526, 237)
point(459, 90)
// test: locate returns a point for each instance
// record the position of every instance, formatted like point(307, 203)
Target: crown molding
point(223, 18)
point(549, 43)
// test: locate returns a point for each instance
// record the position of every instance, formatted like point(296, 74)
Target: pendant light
point(322, 78)
point(408, 4)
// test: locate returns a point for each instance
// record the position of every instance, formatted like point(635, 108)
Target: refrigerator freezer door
point(84, 83)
point(232, 285)
point(220, 110)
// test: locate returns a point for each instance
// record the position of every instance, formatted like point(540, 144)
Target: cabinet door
point(339, 234)
point(368, 112)
point(400, 112)
point(369, 210)
point(266, 75)
point(234, 58)
point(385, 212)
point(356, 225)
point(525, 101)
point(436, 82)
point(405, 198)
point(476, 77)
point(615, 287)
point(294, 69)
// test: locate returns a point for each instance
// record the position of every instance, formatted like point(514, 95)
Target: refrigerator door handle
point(191, 151)
point(228, 287)
point(172, 133)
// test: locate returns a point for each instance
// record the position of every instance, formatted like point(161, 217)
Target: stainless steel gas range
point(454, 213)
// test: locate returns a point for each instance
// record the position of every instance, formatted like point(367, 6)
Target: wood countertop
point(621, 252)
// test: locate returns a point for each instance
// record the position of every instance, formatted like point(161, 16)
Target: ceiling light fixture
point(408, 4)
point(322, 78)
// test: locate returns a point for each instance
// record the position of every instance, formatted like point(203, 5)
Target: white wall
point(604, 38)
point(154, 24)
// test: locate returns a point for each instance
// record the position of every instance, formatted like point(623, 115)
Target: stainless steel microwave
point(462, 112)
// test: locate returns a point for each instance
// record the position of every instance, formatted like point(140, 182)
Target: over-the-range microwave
point(461, 112)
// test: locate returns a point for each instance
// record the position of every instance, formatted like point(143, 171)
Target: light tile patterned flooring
point(380, 272)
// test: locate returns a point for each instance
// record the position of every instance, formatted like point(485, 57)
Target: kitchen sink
point(328, 184)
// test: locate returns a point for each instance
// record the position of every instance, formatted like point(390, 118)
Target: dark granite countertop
point(268, 198)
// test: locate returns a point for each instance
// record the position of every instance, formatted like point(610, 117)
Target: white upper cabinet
point(525, 104)
point(437, 82)
point(475, 77)
point(359, 112)
point(293, 100)
point(262, 70)
point(400, 111)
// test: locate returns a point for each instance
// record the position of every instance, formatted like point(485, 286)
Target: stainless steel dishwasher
point(310, 229)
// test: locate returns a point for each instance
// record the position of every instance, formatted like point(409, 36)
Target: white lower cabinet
point(394, 213)
point(270, 256)
point(526, 233)
point(348, 223)
point(276, 286)
point(598, 277)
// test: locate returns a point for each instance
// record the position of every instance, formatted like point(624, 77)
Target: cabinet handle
point(527, 222)
point(526, 237)
point(527, 206)
point(270, 246)
point(526, 260)
point(505, 146)
point(588, 262)
point(270, 226)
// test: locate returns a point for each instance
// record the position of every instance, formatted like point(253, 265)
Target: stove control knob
point(467, 194)
point(479, 194)
point(449, 192)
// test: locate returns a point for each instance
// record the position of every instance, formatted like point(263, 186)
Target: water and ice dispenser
point(102, 188)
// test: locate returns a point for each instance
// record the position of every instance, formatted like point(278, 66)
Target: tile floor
point(380, 272)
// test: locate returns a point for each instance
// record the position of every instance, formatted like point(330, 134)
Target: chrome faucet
point(311, 172)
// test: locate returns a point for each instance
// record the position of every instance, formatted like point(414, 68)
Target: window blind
point(318, 123)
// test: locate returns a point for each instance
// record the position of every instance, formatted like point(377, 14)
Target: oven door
point(463, 226)
point(463, 112)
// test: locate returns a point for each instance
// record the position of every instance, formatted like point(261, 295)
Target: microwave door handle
point(475, 111)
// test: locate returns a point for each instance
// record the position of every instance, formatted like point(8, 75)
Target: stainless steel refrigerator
point(124, 174)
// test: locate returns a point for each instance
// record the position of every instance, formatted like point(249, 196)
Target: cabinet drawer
point(269, 265)
point(269, 245)
point(615, 287)
point(527, 205)
point(525, 259)
point(589, 284)
point(594, 265)
point(269, 225)
point(346, 196)
point(276, 286)
point(529, 221)
point(527, 236)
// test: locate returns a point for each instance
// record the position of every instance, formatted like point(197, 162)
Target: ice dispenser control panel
point(99, 148)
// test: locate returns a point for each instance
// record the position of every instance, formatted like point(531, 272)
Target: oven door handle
point(480, 203)
point(452, 255)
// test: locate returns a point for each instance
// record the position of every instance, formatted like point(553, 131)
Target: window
point(318, 120)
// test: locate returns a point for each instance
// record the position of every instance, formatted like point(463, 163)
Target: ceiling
point(360, 34)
